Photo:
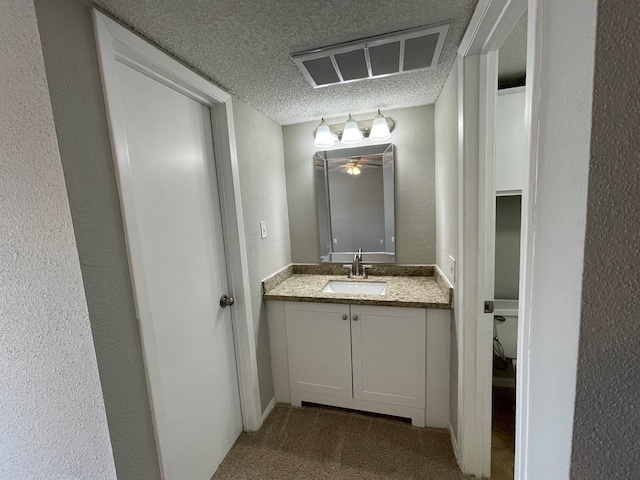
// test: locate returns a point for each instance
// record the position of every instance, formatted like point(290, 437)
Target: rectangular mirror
point(355, 200)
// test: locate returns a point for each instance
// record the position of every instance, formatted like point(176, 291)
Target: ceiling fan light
point(324, 138)
point(379, 128)
point(351, 132)
point(353, 169)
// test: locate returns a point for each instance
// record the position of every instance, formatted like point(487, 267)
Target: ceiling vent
point(374, 57)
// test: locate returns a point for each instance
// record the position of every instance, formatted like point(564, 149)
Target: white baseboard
point(268, 410)
point(454, 443)
point(415, 414)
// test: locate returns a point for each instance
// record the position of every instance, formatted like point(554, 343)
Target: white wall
point(607, 413)
point(264, 197)
point(507, 263)
point(446, 158)
point(415, 218)
point(52, 416)
point(68, 46)
point(557, 249)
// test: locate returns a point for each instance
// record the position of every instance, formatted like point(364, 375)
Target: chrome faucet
point(356, 267)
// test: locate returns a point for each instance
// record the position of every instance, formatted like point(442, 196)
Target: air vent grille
point(374, 57)
point(352, 65)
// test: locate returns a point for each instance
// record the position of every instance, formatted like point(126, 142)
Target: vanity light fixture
point(351, 133)
point(324, 137)
point(379, 128)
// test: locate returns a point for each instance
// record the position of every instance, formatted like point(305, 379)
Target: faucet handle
point(364, 270)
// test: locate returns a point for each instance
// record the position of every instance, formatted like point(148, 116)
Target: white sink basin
point(363, 288)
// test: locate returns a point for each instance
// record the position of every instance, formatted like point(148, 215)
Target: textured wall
point(446, 157)
point(507, 273)
point(78, 109)
point(264, 197)
point(607, 414)
point(567, 45)
point(413, 139)
point(52, 416)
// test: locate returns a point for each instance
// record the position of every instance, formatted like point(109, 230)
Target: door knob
point(355, 318)
point(344, 316)
point(226, 301)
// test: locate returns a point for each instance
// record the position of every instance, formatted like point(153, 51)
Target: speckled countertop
point(420, 291)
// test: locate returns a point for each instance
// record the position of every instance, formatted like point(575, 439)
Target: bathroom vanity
point(379, 345)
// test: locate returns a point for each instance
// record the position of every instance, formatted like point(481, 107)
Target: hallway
point(319, 442)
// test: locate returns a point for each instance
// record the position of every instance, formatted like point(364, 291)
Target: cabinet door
point(389, 346)
point(511, 141)
point(319, 348)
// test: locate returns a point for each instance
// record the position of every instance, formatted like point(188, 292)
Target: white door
point(174, 235)
point(389, 345)
point(319, 348)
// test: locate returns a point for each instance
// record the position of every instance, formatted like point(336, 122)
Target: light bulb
point(324, 138)
point(351, 133)
point(379, 128)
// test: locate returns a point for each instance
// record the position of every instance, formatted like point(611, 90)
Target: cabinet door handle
point(344, 316)
point(355, 318)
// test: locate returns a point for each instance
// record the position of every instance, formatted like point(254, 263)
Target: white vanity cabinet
point(319, 348)
point(371, 358)
point(388, 347)
point(511, 141)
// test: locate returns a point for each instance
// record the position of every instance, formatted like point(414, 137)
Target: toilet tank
point(507, 331)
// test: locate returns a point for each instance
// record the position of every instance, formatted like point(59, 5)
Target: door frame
point(117, 43)
point(477, 60)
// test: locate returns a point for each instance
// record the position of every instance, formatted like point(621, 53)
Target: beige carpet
point(317, 442)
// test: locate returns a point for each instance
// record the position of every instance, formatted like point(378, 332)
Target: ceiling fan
point(354, 165)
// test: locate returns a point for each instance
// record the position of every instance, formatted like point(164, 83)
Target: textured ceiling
point(245, 46)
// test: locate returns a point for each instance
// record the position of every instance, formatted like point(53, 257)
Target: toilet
point(507, 333)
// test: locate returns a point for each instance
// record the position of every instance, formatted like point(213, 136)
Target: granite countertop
point(419, 291)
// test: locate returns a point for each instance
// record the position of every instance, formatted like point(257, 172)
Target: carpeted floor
point(317, 442)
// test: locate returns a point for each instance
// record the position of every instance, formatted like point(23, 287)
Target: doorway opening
point(510, 154)
point(494, 186)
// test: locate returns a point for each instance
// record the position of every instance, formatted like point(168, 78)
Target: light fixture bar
point(365, 127)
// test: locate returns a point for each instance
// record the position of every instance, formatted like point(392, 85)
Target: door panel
point(174, 234)
point(389, 354)
point(319, 348)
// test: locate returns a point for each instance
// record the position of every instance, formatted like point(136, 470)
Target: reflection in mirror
point(355, 199)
